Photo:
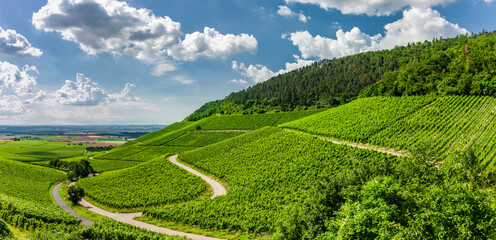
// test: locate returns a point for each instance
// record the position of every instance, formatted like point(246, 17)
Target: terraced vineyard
point(360, 119)
point(449, 124)
point(27, 181)
point(266, 170)
point(152, 183)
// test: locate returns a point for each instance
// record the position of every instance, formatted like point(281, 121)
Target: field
point(360, 119)
point(152, 183)
point(448, 125)
point(266, 171)
point(38, 150)
point(26, 181)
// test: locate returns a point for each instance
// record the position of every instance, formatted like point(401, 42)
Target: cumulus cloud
point(85, 92)
point(417, 25)
point(183, 80)
point(11, 104)
point(371, 8)
point(212, 44)
point(15, 44)
point(127, 94)
point(111, 26)
point(15, 79)
point(285, 11)
point(259, 73)
point(81, 92)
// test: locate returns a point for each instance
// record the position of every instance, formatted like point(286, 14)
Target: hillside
point(465, 65)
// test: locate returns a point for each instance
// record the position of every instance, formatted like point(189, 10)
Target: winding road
point(128, 218)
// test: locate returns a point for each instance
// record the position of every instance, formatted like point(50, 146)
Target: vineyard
point(152, 183)
point(27, 181)
point(449, 124)
point(266, 170)
point(360, 119)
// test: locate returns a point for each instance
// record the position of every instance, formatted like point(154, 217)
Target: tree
point(76, 193)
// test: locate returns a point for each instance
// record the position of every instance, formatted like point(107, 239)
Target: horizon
point(154, 63)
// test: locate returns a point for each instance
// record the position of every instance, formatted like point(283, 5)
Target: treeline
point(99, 148)
point(465, 65)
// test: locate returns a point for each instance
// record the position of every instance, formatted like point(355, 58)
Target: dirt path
point(354, 144)
point(63, 205)
point(216, 186)
point(233, 130)
point(129, 217)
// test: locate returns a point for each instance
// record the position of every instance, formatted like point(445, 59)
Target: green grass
point(27, 181)
point(361, 118)
point(38, 150)
point(152, 183)
point(266, 170)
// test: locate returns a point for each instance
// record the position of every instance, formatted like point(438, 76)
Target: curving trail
point(63, 205)
point(216, 186)
point(129, 217)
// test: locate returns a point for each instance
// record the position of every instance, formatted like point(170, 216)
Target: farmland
point(360, 119)
point(152, 183)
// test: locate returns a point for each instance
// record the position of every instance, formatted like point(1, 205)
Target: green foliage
point(171, 128)
point(27, 181)
point(141, 153)
point(360, 119)
point(99, 148)
point(75, 193)
point(456, 66)
point(109, 165)
point(151, 183)
point(5, 231)
point(110, 229)
point(77, 169)
point(393, 200)
point(266, 170)
point(448, 124)
point(46, 212)
point(200, 139)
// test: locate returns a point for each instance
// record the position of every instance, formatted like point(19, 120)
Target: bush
point(75, 194)
point(4, 230)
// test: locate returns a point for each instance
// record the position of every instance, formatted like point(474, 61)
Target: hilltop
point(465, 65)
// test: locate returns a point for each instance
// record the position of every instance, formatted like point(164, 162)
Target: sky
point(71, 62)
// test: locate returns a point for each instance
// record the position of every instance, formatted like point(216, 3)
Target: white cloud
point(85, 92)
point(111, 26)
point(211, 44)
point(81, 92)
point(238, 81)
point(417, 25)
point(183, 80)
point(285, 11)
point(127, 94)
point(161, 68)
point(108, 26)
point(371, 8)
point(259, 73)
point(40, 96)
point(15, 44)
point(11, 104)
point(15, 79)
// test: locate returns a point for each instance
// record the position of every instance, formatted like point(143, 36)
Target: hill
point(465, 65)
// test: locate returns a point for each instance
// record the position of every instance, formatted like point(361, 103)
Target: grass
point(78, 208)
point(222, 234)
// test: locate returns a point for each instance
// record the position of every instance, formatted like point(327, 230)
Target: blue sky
point(154, 62)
